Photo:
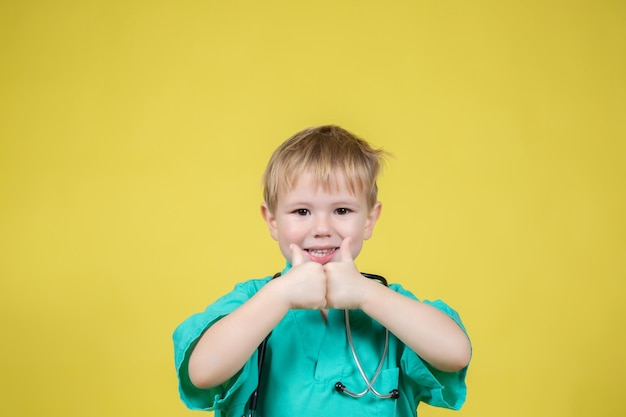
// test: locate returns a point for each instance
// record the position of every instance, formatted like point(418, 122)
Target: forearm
point(429, 332)
point(226, 346)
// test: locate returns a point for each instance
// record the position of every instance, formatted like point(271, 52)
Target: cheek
point(285, 237)
point(356, 248)
point(284, 232)
point(291, 229)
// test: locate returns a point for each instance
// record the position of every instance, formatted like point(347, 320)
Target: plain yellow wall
point(133, 135)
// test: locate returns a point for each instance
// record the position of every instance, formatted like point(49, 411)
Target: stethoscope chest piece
point(339, 386)
point(394, 394)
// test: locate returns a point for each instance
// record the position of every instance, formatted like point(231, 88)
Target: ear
point(371, 220)
point(270, 219)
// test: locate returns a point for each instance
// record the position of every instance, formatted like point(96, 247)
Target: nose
point(321, 226)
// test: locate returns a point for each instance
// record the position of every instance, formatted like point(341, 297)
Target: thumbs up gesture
point(313, 286)
point(343, 289)
point(305, 282)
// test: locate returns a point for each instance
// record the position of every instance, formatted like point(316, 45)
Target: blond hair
point(323, 151)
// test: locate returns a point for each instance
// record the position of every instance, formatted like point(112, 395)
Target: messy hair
point(323, 151)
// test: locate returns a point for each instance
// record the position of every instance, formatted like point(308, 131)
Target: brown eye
point(342, 211)
point(302, 212)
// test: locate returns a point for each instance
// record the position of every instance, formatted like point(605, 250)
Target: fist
point(344, 282)
point(305, 282)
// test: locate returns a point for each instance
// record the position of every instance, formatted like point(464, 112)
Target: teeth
point(320, 252)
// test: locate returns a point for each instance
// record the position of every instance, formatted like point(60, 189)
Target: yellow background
point(133, 135)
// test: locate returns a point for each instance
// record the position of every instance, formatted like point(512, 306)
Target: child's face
point(318, 221)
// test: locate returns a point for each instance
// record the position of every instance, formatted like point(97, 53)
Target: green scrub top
point(306, 356)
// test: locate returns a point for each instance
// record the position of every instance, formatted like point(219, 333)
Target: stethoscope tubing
point(369, 384)
point(339, 387)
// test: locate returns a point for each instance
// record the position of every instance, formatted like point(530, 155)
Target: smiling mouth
point(321, 253)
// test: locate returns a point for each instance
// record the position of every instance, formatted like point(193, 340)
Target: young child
point(341, 343)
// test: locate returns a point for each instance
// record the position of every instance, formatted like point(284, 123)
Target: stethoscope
point(394, 394)
point(369, 384)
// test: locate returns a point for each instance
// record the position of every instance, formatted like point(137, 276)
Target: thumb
point(297, 256)
point(346, 253)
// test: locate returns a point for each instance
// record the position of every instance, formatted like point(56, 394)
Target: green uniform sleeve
point(234, 393)
point(434, 387)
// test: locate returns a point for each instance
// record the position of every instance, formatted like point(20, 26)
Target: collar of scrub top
point(339, 386)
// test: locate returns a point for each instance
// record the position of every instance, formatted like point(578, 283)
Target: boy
point(381, 356)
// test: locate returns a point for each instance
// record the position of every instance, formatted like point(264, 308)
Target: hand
point(305, 282)
point(345, 284)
